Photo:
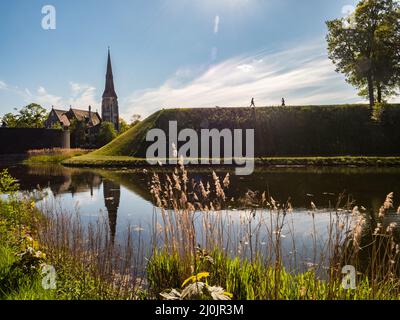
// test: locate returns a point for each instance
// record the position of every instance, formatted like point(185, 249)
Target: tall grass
point(55, 155)
point(194, 236)
point(88, 264)
point(194, 231)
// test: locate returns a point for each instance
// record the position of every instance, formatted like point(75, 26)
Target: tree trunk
point(371, 91)
point(379, 89)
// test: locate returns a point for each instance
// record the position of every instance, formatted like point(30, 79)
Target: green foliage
point(257, 280)
point(165, 271)
point(107, 133)
point(377, 111)
point(10, 120)
point(8, 184)
point(22, 258)
point(78, 133)
point(52, 156)
point(365, 48)
point(197, 290)
point(123, 126)
point(135, 119)
point(30, 116)
point(56, 125)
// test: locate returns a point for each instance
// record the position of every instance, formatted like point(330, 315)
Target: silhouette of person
point(283, 102)
point(252, 103)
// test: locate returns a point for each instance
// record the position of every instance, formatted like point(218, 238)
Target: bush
point(107, 133)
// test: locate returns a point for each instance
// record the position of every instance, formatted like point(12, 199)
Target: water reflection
point(124, 194)
point(112, 194)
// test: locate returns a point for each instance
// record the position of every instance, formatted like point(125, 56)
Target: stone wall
point(20, 140)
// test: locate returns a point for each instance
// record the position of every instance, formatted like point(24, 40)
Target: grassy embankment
point(53, 156)
point(305, 136)
point(90, 266)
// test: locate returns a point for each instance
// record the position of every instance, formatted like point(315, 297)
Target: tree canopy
point(30, 116)
point(107, 133)
point(124, 126)
point(365, 47)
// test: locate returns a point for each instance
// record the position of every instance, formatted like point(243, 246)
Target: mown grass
point(94, 160)
point(53, 156)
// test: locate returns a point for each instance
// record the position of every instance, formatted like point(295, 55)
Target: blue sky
point(169, 53)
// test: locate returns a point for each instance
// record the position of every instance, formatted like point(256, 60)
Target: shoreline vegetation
point(223, 265)
point(52, 156)
point(99, 161)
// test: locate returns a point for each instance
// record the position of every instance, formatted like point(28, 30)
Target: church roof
point(66, 116)
point(62, 117)
point(82, 115)
point(109, 90)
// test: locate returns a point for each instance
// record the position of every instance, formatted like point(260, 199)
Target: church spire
point(109, 105)
point(109, 91)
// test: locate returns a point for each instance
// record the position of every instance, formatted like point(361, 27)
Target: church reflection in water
point(302, 185)
point(61, 181)
point(112, 195)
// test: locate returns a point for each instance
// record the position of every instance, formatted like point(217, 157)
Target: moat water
point(122, 197)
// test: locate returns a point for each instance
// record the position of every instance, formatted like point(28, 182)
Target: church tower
point(109, 105)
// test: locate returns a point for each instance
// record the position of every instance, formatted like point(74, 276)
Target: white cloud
point(80, 97)
point(83, 96)
point(245, 67)
point(75, 87)
point(216, 24)
point(44, 98)
point(303, 75)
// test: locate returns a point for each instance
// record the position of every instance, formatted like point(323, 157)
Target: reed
point(251, 253)
point(55, 155)
point(192, 221)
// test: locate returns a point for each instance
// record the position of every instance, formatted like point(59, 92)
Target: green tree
point(10, 120)
point(135, 119)
point(365, 47)
point(78, 133)
point(56, 125)
point(106, 134)
point(30, 116)
point(123, 126)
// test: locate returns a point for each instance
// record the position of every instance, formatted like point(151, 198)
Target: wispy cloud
point(302, 75)
point(44, 98)
point(216, 24)
point(3, 85)
point(80, 96)
point(83, 95)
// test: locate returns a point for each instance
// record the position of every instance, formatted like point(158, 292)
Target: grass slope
point(306, 135)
